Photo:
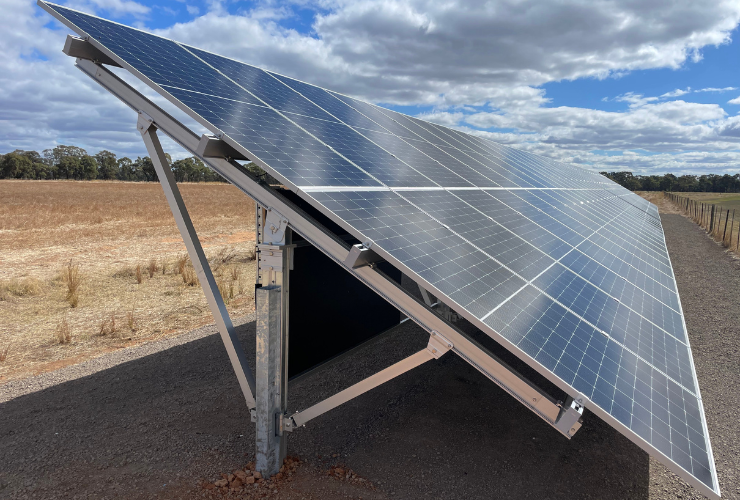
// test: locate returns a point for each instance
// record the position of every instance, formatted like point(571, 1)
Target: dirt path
point(157, 420)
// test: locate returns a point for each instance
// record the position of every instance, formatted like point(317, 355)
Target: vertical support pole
point(225, 327)
point(274, 262)
point(270, 440)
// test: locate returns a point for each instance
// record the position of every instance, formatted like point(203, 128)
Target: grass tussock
point(63, 332)
point(131, 320)
point(26, 287)
point(182, 263)
point(189, 277)
point(251, 255)
point(108, 325)
point(4, 353)
point(152, 268)
point(72, 278)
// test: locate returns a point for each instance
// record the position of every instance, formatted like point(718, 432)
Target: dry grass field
point(89, 267)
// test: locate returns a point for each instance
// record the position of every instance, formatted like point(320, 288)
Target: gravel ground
point(156, 420)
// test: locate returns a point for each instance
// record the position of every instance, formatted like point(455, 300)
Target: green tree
point(54, 156)
point(107, 165)
point(125, 169)
point(68, 167)
point(88, 168)
point(15, 165)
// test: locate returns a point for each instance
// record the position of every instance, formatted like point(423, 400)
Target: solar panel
point(563, 267)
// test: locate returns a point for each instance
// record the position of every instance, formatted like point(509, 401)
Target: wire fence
point(718, 221)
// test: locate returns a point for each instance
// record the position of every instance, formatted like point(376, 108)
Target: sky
point(649, 86)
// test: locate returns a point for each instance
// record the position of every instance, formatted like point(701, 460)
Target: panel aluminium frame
point(475, 354)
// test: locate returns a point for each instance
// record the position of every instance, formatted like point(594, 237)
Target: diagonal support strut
point(238, 359)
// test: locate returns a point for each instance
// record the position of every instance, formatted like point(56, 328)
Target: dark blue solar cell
point(326, 101)
point(161, 60)
point(368, 156)
point(263, 85)
point(482, 231)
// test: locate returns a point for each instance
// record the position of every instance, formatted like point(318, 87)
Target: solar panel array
point(561, 265)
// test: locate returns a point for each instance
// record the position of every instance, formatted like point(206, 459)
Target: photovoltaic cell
point(567, 269)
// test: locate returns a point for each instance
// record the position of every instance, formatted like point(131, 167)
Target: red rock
point(249, 480)
point(237, 483)
point(257, 475)
point(220, 483)
point(241, 475)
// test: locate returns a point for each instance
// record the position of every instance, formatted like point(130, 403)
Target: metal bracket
point(214, 147)
point(570, 418)
point(360, 255)
point(275, 226)
point(144, 123)
point(271, 257)
point(82, 49)
point(438, 345)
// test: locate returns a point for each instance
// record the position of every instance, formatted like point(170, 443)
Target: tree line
point(72, 162)
point(710, 183)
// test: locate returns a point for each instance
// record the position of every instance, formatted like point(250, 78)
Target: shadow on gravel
point(163, 423)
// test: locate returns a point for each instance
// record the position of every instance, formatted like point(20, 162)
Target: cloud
point(192, 10)
point(713, 89)
point(676, 93)
point(734, 101)
point(635, 100)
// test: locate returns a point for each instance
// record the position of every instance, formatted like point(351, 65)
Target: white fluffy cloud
point(451, 55)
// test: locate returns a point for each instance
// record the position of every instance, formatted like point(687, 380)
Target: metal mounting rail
point(529, 395)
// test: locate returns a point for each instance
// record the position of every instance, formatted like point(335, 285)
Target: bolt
point(534, 400)
point(573, 429)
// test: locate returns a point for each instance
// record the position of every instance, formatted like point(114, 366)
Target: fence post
point(732, 226)
point(724, 233)
point(711, 221)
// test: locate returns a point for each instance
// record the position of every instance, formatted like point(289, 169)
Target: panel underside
point(566, 269)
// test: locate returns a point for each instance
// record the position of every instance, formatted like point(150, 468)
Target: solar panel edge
point(710, 452)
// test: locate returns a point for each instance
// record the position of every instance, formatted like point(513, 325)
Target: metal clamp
point(438, 345)
point(570, 418)
point(275, 226)
point(360, 255)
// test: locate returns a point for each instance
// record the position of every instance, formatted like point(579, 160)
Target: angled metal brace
point(436, 348)
point(238, 359)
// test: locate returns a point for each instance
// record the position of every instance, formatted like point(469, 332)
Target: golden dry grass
point(87, 267)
